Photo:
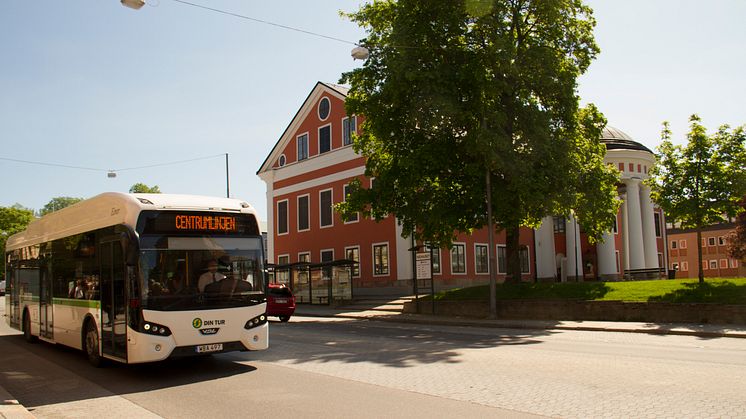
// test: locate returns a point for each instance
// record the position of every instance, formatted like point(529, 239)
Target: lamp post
point(227, 179)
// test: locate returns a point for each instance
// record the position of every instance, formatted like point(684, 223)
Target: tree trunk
point(699, 255)
point(512, 254)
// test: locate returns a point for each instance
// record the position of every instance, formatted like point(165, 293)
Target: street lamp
point(133, 4)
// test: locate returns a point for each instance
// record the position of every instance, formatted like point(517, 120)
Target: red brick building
point(715, 260)
point(312, 163)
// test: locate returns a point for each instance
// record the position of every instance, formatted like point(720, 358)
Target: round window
point(324, 108)
point(282, 160)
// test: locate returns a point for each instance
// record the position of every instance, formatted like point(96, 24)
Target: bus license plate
point(209, 348)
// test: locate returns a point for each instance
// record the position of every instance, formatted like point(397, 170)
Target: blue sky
point(92, 84)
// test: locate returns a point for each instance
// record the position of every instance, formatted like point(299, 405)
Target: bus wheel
point(27, 329)
point(91, 345)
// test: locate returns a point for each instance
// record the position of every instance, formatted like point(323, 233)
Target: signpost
point(424, 270)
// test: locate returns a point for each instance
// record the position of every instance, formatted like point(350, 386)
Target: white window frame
point(466, 268)
point(324, 270)
point(331, 208)
point(345, 123)
point(528, 258)
point(476, 254)
point(675, 266)
point(354, 275)
point(723, 263)
point(321, 252)
point(297, 143)
point(674, 244)
point(658, 224)
point(721, 241)
point(497, 259)
point(734, 263)
point(304, 253)
point(711, 263)
point(331, 138)
point(318, 108)
point(282, 161)
point(285, 274)
point(344, 199)
point(433, 251)
point(388, 259)
point(685, 266)
point(287, 217)
point(682, 244)
point(297, 212)
point(712, 240)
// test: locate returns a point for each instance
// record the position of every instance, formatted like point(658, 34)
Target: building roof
point(302, 111)
point(725, 227)
point(616, 139)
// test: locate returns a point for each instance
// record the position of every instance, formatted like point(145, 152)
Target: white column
point(606, 251)
point(648, 228)
point(634, 227)
point(574, 252)
point(545, 254)
point(403, 255)
point(625, 234)
point(268, 178)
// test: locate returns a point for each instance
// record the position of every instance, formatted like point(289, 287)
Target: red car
point(280, 302)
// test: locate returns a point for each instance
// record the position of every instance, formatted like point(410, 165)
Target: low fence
point(590, 310)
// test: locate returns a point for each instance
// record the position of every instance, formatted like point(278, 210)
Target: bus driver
point(212, 275)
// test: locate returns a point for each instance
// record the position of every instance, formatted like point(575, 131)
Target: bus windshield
point(197, 273)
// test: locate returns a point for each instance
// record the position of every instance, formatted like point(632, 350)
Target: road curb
point(531, 326)
point(10, 408)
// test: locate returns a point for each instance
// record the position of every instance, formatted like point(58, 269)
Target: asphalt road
point(355, 368)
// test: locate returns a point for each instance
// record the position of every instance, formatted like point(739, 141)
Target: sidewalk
point(700, 330)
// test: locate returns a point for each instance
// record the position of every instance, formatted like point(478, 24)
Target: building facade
point(310, 166)
point(715, 260)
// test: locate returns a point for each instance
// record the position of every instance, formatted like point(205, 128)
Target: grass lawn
point(714, 290)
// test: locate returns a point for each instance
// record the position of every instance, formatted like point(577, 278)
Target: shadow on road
point(43, 374)
point(394, 345)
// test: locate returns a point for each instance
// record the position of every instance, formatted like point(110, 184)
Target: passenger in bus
point(210, 277)
point(80, 289)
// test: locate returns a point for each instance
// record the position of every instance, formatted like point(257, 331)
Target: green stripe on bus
point(76, 303)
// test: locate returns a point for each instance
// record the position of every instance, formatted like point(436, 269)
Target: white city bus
point(117, 276)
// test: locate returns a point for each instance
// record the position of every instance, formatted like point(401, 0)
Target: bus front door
point(113, 301)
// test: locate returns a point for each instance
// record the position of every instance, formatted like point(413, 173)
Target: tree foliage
point(12, 220)
point(698, 184)
point(737, 239)
point(457, 91)
point(58, 203)
point(143, 188)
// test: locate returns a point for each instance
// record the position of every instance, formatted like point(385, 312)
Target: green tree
point(58, 203)
point(460, 94)
point(737, 239)
point(698, 184)
point(12, 220)
point(143, 188)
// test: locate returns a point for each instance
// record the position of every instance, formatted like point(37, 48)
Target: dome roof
point(616, 139)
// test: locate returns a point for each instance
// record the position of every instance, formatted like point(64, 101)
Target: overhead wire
point(110, 170)
point(266, 22)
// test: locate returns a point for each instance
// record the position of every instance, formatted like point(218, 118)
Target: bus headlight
point(155, 329)
point(256, 321)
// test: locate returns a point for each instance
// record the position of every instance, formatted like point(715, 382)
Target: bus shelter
point(316, 283)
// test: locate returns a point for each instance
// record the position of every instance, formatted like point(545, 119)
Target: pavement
point(10, 408)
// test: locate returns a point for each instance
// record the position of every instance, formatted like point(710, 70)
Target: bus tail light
point(256, 321)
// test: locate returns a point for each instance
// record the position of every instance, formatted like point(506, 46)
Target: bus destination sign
point(197, 222)
point(205, 223)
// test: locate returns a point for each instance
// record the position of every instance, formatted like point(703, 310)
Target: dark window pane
point(325, 139)
point(282, 217)
point(303, 213)
point(326, 208)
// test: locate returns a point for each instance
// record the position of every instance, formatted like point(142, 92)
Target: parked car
point(280, 301)
point(2, 287)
